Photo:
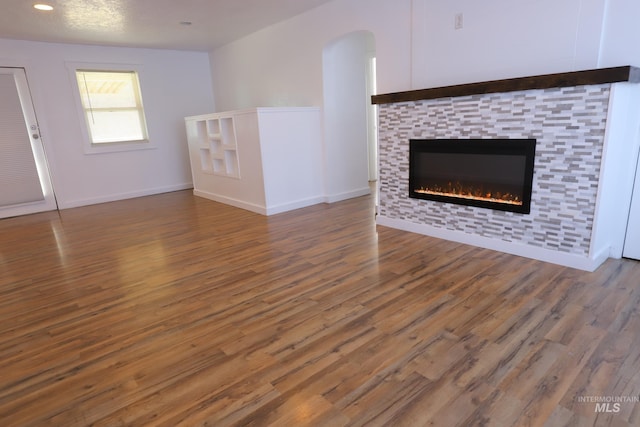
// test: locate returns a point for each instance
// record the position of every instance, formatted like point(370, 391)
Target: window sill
point(116, 147)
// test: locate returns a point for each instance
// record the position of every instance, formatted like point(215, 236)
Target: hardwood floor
point(173, 310)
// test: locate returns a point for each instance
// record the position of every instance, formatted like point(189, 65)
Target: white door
point(25, 184)
point(632, 239)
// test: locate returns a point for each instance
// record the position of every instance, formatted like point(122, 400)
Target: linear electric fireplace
point(487, 173)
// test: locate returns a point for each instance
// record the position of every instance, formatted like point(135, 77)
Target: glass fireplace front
point(487, 173)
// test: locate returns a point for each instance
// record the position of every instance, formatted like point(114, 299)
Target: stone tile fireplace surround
point(585, 124)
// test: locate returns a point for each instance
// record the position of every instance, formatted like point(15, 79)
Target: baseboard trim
point(262, 210)
point(298, 204)
point(284, 207)
point(231, 201)
point(122, 196)
point(333, 198)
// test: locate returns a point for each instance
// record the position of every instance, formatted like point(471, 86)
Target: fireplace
point(487, 173)
point(584, 163)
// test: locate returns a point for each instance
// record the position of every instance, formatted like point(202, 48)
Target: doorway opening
point(350, 120)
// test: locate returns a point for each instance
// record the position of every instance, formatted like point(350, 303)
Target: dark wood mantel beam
point(574, 78)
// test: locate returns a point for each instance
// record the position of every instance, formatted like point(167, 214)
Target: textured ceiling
point(146, 23)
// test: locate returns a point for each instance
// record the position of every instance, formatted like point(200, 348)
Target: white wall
point(503, 39)
point(282, 64)
point(174, 85)
point(621, 34)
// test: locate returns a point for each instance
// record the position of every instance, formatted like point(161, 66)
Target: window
point(112, 106)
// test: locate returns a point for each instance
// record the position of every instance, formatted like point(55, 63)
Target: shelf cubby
point(217, 146)
point(205, 160)
point(213, 127)
point(231, 162)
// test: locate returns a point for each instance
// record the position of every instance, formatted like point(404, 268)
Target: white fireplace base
point(587, 263)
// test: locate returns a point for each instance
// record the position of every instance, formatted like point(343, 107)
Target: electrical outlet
point(458, 21)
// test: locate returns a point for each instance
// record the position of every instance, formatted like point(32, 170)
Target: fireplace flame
point(459, 191)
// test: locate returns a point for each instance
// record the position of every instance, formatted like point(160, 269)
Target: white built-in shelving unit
point(266, 160)
point(218, 154)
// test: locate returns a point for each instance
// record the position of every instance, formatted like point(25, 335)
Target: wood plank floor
point(173, 310)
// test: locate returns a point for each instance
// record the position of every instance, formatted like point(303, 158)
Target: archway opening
point(350, 131)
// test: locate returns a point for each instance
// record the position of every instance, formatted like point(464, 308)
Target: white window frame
point(107, 147)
